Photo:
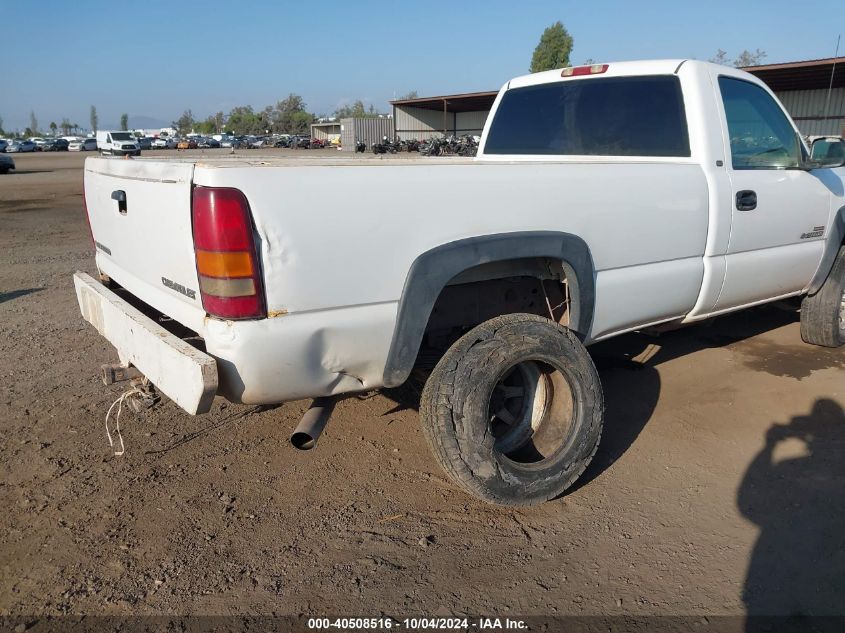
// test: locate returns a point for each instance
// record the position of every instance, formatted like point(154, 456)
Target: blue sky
point(156, 58)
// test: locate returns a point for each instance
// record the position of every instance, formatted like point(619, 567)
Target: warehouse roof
point(803, 75)
point(806, 75)
point(467, 102)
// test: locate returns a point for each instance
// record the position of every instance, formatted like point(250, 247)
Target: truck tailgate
point(140, 215)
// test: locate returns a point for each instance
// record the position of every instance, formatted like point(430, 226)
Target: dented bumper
point(183, 373)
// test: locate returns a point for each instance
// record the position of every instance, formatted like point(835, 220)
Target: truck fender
point(432, 270)
point(834, 242)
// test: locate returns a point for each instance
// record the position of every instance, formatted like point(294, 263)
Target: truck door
point(779, 210)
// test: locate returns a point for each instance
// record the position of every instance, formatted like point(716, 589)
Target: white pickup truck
point(603, 199)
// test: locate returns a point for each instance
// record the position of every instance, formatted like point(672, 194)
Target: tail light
point(575, 71)
point(227, 264)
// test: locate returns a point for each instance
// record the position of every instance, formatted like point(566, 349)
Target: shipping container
point(368, 130)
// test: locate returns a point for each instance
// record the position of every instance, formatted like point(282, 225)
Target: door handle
point(120, 197)
point(746, 200)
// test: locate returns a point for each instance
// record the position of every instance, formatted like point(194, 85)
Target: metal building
point(326, 131)
point(368, 130)
point(448, 115)
point(813, 92)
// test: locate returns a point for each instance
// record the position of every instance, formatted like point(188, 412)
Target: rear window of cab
point(613, 116)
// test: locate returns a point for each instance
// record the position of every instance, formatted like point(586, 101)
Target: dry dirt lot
point(719, 486)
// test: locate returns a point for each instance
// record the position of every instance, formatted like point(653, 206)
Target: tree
point(411, 94)
point(2, 131)
point(184, 123)
point(124, 122)
point(65, 125)
point(242, 120)
point(93, 119)
point(205, 127)
point(53, 127)
point(219, 122)
point(356, 110)
point(553, 50)
point(721, 57)
point(33, 123)
point(290, 116)
point(745, 58)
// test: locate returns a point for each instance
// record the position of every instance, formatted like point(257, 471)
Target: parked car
point(145, 142)
point(164, 142)
point(187, 143)
point(243, 142)
point(55, 145)
point(616, 197)
point(208, 143)
point(83, 145)
point(21, 146)
point(117, 143)
point(39, 141)
point(3, 145)
point(6, 164)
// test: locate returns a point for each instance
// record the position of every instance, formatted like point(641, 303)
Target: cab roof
point(614, 69)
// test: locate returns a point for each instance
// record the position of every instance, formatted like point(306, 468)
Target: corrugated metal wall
point(471, 122)
point(420, 124)
point(368, 130)
point(811, 103)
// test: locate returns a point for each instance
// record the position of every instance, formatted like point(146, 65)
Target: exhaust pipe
point(308, 431)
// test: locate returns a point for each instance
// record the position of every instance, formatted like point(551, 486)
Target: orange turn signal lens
point(224, 265)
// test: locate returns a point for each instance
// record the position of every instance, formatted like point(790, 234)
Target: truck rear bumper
point(183, 373)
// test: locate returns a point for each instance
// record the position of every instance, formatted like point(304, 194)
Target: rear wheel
point(514, 410)
point(823, 313)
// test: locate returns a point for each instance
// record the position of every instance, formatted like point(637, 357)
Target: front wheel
point(513, 411)
point(823, 313)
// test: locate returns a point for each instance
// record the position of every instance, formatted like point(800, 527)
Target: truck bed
point(255, 159)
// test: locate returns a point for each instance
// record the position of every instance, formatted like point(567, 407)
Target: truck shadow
point(628, 365)
point(14, 294)
point(797, 499)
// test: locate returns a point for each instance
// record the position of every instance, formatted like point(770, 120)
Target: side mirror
point(828, 152)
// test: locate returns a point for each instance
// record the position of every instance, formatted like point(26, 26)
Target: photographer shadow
point(794, 490)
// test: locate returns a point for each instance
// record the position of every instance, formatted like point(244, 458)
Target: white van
point(118, 143)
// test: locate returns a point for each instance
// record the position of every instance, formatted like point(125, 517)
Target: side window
point(760, 133)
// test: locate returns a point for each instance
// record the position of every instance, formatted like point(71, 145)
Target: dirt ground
point(719, 486)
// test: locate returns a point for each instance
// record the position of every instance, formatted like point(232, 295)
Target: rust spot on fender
point(276, 313)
